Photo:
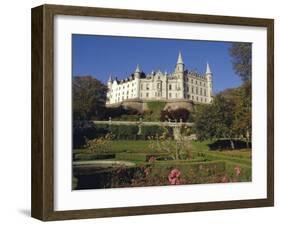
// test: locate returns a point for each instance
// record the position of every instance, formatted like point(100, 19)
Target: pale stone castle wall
point(182, 84)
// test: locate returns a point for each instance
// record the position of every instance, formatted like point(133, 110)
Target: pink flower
point(224, 179)
point(237, 170)
point(152, 159)
point(174, 177)
point(146, 171)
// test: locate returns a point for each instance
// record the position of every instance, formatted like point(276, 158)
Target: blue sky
point(101, 56)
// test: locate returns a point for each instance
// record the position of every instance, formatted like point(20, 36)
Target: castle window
point(196, 98)
point(196, 90)
point(147, 86)
point(192, 89)
point(191, 80)
point(147, 94)
point(201, 91)
point(200, 83)
point(205, 92)
point(170, 87)
point(201, 99)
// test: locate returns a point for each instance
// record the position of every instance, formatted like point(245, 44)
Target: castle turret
point(137, 72)
point(209, 78)
point(137, 75)
point(179, 73)
point(180, 65)
point(109, 80)
point(109, 89)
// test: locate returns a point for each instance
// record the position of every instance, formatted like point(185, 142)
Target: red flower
point(173, 177)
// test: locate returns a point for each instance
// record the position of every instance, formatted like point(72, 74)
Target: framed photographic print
point(141, 112)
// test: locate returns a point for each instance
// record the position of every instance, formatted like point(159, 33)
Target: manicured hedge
point(92, 156)
point(189, 168)
point(88, 178)
point(151, 131)
point(138, 156)
point(217, 156)
point(124, 132)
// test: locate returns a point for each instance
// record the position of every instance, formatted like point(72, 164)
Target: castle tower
point(137, 72)
point(209, 78)
point(137, 75)
point(180, 65)
point(109, 82)
point(179, 73)
point(109, 87)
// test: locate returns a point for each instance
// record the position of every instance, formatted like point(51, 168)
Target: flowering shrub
point(99, 145)
point(237, 170)
point(224, 179)
point(151, 159)
point(174, 177)
point(179, 148)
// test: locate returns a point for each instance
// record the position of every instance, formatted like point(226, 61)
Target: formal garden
point(116, 156)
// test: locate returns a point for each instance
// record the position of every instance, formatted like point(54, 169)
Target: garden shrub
point(93, 156)
point(138, 156)
point(151, 131)
point(189, 168)
point(177, 114)
point(124, 132)
point(87, 178)
point(82, 129)
point(216, 156)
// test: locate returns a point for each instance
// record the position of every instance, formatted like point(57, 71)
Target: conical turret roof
point(208, 70)
point(138, 69)
point(180, 60)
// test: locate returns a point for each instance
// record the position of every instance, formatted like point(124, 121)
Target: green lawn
point(143, 146)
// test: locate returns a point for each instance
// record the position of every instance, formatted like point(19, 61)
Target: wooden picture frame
point(43, 112)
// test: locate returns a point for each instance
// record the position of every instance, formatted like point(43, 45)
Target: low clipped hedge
point(128, 132)
point(151, 131)
point(189, 168)
point(92, 156)
point(216, 156)
point(138, 156)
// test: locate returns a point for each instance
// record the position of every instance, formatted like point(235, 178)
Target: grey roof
point(180, 60)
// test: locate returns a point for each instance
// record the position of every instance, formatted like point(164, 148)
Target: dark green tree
point(215, 121)
point(89, 97)
point(243, 112)
point(241, 54)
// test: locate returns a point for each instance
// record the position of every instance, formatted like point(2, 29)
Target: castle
point(181, 84)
